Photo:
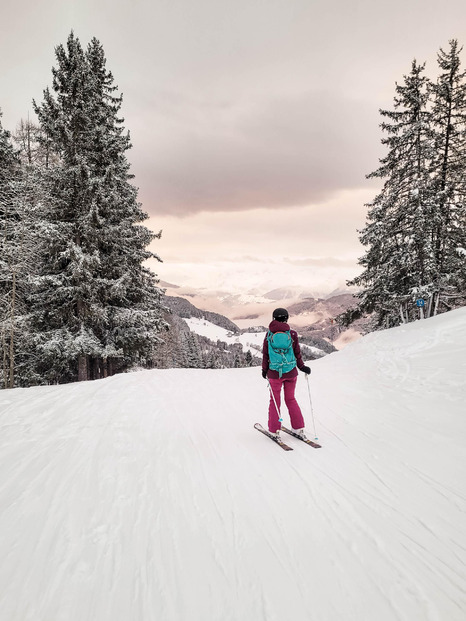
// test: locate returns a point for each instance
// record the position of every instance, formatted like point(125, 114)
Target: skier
point(281, 356)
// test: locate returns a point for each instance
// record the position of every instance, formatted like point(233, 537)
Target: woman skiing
point(281, 356)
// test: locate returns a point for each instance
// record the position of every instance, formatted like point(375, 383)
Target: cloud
point(241, 105)
point(321, 230)
point(272, 154)
point(320, 262)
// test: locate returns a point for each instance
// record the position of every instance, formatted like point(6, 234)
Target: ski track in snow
point(150, 496)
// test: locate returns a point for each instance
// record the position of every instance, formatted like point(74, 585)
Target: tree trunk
point(429, 306)
point(5, 365)
point(82, 368)
point(437, 300)
point(403, 318)
point(11, 380)
point(96, 368)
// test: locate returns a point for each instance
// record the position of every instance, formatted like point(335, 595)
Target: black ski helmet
point(280, 314)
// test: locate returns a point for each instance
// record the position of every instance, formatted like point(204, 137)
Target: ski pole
point(312, 409)
point(280, 419)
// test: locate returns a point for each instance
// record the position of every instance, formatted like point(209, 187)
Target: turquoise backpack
point(281, 354)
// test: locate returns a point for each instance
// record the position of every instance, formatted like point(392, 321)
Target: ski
point(305, 440)
point(278, 441)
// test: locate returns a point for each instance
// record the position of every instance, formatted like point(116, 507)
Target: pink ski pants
point(296, 417)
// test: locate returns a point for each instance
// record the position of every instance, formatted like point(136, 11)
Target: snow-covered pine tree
point(98, 309)
point(34, 207)
point(9, 169)
point(19, 257)
point(213, 360)
point(397, 264)
point(132, 300)
point(448, 170)
point(193, 351)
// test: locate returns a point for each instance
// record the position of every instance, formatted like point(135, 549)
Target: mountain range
point(313, 317)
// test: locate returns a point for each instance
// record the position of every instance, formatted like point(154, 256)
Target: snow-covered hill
point(183, 308)
point(150, 496)
point(249, 341)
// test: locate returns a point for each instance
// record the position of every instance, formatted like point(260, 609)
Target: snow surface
point(149, 496)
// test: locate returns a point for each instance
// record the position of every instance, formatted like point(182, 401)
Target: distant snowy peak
point(289, 293)
point(328, 308)
point(167, 285)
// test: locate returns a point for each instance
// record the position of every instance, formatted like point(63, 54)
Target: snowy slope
point(150, 496)
point(251, 341)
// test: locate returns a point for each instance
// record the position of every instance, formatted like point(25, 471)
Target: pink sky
point(312, 246)
point(253, 123)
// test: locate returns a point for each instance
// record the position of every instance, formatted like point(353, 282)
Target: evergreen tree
point(9, 170)
point(20, 241)
point(416, 228)
point(396, 262)
point(193, 351)
point(448, 169)
point(213, 360)
point(97, 307)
